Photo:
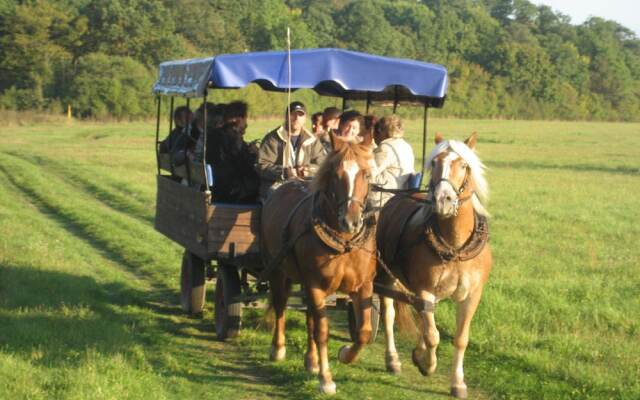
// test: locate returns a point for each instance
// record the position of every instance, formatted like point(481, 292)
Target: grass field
point(89, 291)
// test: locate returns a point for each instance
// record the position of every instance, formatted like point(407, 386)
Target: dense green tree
point(507, 58)
point(111, 85)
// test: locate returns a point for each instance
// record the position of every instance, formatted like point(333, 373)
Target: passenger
point(182, 117)
point(284, 156)
point(185, 144)
point(215, 120)
point(316, 124)
point(330, 119)
point(330, 122)
point(394, 159)
point(368, 130)
point(232, 159)
point(350, 124)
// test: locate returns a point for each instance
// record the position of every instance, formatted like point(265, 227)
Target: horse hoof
point(393, 363)
point(416, 362)
point(311, 366)
point(459, 392)
point(327, 387)
point(278, 354)
point(343, 355)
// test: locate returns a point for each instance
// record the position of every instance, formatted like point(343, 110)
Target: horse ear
point(439, 137)
point(471, 141)
point(337, 142)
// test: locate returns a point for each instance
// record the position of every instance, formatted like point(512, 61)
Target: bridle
point(361, 203)
point(459, 191)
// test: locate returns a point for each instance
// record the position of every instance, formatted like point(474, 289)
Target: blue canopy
point(330, 72)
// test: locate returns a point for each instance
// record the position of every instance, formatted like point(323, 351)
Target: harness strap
point(288, 244)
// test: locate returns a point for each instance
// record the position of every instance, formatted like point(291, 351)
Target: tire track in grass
point(190, 342)
point(113, 193)
point(104, 229)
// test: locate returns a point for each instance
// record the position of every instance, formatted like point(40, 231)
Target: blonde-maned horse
point(437, 245)
point(329, 244)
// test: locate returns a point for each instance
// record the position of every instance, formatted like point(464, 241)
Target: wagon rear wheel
point(192, 284)
point(228, 312)
point(375, 319)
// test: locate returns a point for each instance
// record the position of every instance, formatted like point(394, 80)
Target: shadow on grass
point(622, 170)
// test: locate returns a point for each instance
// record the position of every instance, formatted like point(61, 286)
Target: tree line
point(506, 58)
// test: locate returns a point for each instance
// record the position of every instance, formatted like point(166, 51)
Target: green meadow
point(89, 305)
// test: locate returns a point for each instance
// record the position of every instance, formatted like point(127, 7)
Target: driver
point(288, 152)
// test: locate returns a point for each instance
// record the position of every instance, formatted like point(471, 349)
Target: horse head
point(457, 175)
point(344, 178)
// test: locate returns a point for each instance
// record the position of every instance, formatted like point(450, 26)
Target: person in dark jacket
point(232, 159)
point(182, 117)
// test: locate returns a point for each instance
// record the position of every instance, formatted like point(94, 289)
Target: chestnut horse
point(325, 241)
point(437, 246)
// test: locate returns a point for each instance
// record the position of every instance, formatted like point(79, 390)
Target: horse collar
point(331, 237)
point(472, 247)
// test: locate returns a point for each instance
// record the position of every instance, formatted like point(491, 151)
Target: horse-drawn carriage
point(439, 240)
point(229, 233)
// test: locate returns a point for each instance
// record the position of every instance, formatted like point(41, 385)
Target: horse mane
point(477, 168)
point(349, 152)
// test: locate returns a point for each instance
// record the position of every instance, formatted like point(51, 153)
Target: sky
point(625, 12)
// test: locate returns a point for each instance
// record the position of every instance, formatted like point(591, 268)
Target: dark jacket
point(170, 140)
point(232, 161)
point(272, 161)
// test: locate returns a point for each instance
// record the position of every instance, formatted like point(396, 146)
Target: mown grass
point(88, 290)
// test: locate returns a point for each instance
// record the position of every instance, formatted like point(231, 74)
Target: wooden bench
point(191, 171)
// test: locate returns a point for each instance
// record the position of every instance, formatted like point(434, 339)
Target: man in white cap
point(288, 152)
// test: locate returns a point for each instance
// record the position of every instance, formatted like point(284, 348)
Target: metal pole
point(158, 134)
point(171, 115)
point(395, 98)
point(204, 142)
point(344, 103)
point(424, 139)
point(368, 103)
point(170, 129)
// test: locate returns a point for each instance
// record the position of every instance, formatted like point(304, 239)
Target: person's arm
point(318, 157)
point(267, 165)
point(382, 160)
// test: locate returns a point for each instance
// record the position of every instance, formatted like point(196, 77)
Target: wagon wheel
point(228, 313)
point(192, 284)
point(375, 319)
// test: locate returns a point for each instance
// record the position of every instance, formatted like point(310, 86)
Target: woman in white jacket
point(394, 160)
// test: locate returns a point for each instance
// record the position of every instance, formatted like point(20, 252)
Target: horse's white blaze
point(351, 168)
point(446, 164)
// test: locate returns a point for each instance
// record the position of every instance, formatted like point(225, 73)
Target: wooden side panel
point(182, 215)
point(234, 230)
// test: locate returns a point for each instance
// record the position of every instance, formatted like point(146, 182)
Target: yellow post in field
point(68, 112)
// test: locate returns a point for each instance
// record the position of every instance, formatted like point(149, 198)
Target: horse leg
point(362, 305)
point(316, 298)
point(280, 289)
point(311, 357)
point(464, 314)
point(391, 358)
point(424, 355)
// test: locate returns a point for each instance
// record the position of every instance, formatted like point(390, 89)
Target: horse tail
point(405, 319)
